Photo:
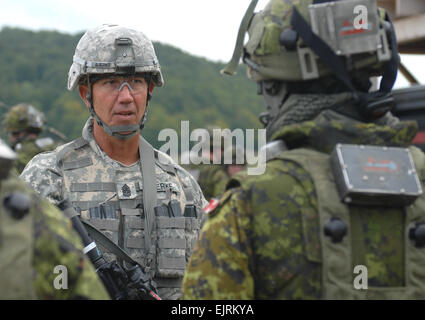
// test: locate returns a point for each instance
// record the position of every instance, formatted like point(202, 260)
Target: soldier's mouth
point(124, 113)
point(124, 116)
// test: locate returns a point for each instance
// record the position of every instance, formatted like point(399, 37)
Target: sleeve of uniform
point(43, 175)
point(219, 267)
point(254, 242)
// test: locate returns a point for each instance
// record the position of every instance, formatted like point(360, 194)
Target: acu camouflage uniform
point(155, 216)
point(33, 243)
point(266, 239)
point(109, 194)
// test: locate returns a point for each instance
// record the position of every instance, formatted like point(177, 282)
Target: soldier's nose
point(125, 94)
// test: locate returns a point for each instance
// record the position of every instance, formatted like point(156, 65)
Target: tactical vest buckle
point(417, 235)
point(336, 229)
point(18, 204)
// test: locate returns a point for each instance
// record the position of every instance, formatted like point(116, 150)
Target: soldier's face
point(117, 100)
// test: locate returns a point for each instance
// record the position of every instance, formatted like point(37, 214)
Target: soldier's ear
point(84, 91)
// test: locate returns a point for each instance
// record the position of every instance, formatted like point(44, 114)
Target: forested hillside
point(34, 68)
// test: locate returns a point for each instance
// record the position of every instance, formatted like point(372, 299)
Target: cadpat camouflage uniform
point(26, 119)
point(274, 236)
point(262, 242)
point(35, 239)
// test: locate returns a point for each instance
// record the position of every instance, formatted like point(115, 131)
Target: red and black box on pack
point(375, 175)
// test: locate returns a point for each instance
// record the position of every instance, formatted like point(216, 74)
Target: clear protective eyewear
point(136, 84)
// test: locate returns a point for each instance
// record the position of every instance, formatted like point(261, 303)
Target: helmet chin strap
point(115, 131)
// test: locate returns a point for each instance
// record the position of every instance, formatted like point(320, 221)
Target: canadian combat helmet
point(24, 117)
point(113, 49)
point(299, 40)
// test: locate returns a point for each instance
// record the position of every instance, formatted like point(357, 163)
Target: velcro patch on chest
point(165, 186)
point(126, 190)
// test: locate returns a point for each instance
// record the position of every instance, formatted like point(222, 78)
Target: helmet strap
point(275, 94)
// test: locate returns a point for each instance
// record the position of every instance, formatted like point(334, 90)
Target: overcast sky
point(200, 27)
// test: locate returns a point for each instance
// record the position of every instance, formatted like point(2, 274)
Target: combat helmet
point(114, 50)
point(24, 117)
point(302, 40)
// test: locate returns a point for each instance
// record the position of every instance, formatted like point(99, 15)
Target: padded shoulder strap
point(76, 144)
point(147, 161)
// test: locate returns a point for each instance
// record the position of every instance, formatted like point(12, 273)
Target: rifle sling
point(147, 162)
point(99, 237)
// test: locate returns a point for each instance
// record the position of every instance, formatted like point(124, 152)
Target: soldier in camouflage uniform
point(212, 178)
point(137, 196)
point(35, 238)
point(24, 123)
point(288, 234)
point(207, 174)
point(227, 171)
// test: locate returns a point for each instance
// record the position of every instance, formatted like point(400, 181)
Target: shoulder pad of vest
point(162, 157)
point(195, 173)
point(165, 162)
point(73, 145)
point(44, 142)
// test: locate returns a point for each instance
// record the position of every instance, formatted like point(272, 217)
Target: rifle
point(121, 283)
point(410, 105)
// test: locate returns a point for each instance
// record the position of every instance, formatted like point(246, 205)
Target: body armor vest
point(112, 200)
point(337, 257)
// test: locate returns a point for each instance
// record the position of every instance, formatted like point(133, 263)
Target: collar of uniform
point(330, 128)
